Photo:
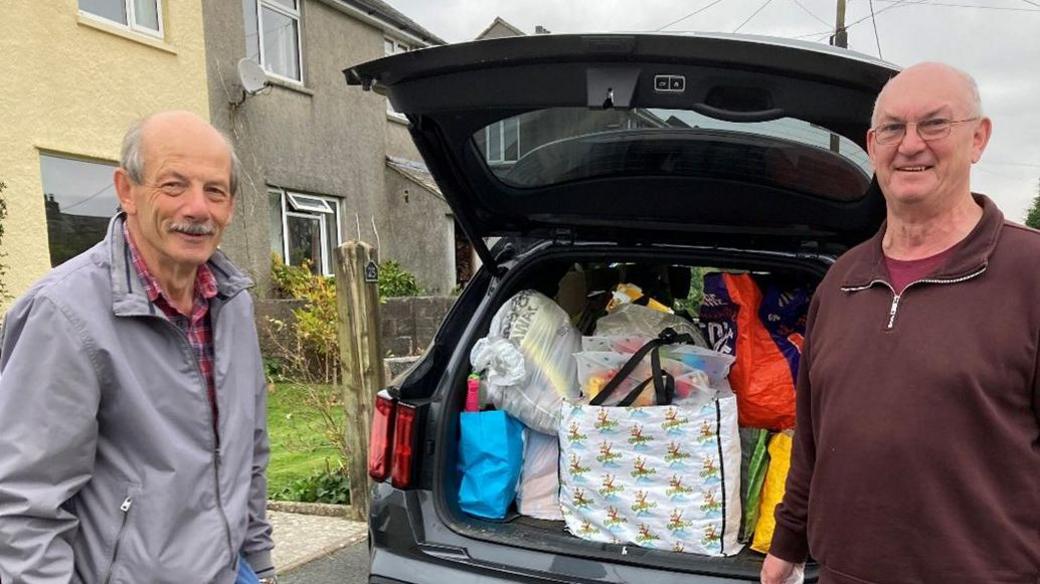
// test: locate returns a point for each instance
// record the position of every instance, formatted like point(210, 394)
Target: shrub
point(330, 485)
point(310, 358)
point(314, 358)
point(396, 281)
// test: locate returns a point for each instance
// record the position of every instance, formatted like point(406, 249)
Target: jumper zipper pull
point(892, 311)
point(126, 504)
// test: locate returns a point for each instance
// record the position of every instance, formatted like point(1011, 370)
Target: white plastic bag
point(532, 325)
point(539, 493)
point(633, 319)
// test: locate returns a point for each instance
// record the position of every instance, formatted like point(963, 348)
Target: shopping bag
point(539, 493)
point(753, 466)
point(773, 490)
point(764, 332)
point(491, 452)
point(665, 476)
point(528, 359)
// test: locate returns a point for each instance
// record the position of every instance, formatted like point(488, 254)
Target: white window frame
point(318, 207)
point(397, 47)
point(131, 19)
point(501, 146)
point(284, 11)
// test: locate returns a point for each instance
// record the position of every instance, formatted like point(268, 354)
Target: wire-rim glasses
point(927, 130)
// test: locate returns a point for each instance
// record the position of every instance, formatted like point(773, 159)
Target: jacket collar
point(129, 296)
point(969, 255)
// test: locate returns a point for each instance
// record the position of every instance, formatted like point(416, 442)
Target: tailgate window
point(558, 145)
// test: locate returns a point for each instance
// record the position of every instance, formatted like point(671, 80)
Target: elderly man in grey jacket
point(132, 401)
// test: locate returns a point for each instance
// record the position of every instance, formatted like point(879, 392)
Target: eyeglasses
point(927, 130)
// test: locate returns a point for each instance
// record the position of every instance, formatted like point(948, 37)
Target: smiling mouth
point(913, 168)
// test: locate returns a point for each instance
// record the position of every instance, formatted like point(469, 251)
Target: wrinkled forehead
point(917, 94)
point(188, 152)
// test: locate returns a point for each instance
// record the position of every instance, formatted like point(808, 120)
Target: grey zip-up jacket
point(109, 466)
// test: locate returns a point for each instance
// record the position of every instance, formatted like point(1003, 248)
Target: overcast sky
point(997, 41)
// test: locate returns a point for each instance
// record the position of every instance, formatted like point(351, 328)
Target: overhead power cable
point(88, 198)
point(873, 19)
point(975, 6)
point(748, 19)
point(810, 13)
point(694, 13)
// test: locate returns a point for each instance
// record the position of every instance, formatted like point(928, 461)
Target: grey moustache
point(193, 228)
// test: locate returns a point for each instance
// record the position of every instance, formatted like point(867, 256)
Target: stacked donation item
point(655, 430)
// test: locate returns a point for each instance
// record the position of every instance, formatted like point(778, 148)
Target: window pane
point(80, 199)
point(280, 44)
point(511, 139)
point(494, 142)
point(388, 47)
point(309, 204)
point(252, 30)
point(110, 9)
point(274, 207)
point(305, 242)
point(146, 13)
point(290, 4)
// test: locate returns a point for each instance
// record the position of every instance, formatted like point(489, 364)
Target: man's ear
point(871, 145)
point(124, 191)
point(980, 138)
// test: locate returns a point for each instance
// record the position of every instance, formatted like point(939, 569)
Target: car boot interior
point(580, 280)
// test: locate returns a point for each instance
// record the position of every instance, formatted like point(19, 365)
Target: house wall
point(422, 234)
point(399, 140)
point(324, 138)
point(72, 86)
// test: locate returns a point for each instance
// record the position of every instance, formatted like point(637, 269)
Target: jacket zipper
point(216, 445)
point(897, 297)
point(125, 508)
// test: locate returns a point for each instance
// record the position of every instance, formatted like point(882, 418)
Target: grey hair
point(132, 161)
point(969, 81)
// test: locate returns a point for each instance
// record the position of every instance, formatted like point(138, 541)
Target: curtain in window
point(281, 44)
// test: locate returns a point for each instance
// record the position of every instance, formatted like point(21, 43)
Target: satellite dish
point(251, 76)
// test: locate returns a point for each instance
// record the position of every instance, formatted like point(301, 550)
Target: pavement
point(301, 538)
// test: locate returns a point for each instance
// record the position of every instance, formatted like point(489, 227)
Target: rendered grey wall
point(326, 139)
point(399, 141)
point(421, 236)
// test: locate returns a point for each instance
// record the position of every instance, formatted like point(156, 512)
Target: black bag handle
point(664, 383)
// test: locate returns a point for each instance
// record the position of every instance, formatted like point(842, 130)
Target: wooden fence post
point(361, 360)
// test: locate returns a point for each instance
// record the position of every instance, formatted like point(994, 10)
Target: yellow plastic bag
point(773, 490)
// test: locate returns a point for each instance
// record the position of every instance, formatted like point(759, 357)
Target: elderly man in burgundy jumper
point(917, 447)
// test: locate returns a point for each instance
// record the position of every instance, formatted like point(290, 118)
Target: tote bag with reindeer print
point(665, 477)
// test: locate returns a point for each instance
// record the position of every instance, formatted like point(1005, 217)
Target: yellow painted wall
point(72, 86)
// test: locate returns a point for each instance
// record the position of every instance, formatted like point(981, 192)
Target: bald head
point(938, 79)
point(146, 133)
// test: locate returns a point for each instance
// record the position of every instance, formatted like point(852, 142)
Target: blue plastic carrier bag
point(491, 453)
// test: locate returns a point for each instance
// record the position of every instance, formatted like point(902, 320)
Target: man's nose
point(911, 142)
point(195, 204)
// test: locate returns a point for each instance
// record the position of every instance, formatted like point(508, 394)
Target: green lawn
point(296, 433)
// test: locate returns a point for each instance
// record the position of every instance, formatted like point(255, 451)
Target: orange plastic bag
point(772, 491)
point(763, 333)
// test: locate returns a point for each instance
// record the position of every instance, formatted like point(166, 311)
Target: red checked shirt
point(196, 326)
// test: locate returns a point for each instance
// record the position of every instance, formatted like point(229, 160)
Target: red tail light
point(404, 446)
point(381, 439)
